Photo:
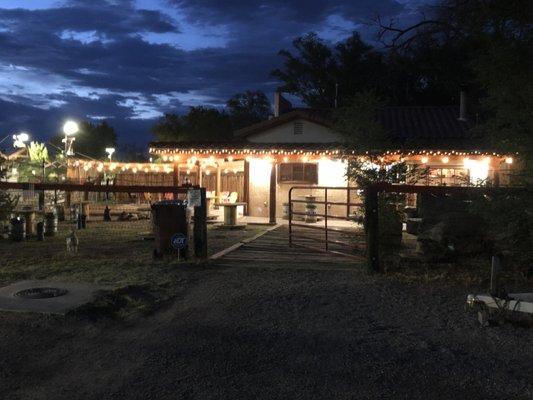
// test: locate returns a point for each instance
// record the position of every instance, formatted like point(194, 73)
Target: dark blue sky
point(129, 61)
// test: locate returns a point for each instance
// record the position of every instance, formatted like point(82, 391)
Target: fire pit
point(50, 297)
point(41, 293)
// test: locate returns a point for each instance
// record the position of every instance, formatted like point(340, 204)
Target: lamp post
point(110, 151)
point(69, 129)
point(19, 141)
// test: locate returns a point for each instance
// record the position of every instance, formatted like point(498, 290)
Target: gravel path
point(273, 334)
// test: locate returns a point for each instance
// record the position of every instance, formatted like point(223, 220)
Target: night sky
point(130, 61)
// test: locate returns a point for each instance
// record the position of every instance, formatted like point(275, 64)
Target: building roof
point(412, 126)
point(318, 116)
point(434, 126)
point(244, 146)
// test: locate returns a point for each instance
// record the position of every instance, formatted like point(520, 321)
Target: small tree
point(38, 159)
point(7, 202)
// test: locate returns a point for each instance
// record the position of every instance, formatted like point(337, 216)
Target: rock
point(123, 216)
point(133, 217)
point(413, 225)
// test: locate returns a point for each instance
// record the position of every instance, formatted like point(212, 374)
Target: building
point(298, 147)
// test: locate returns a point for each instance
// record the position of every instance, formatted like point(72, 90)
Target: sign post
point(178, 241)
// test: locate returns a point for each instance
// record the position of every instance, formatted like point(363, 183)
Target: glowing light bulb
point(445, 160)
point(508, 160)
point(424, 160)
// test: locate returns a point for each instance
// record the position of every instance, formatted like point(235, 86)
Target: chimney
point(281, 104)
point(462, 106)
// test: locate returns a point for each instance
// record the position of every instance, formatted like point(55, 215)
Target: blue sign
point(178, 241)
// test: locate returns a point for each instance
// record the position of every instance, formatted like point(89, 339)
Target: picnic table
point(230, 213)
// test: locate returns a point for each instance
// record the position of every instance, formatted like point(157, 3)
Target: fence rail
point(73, 187)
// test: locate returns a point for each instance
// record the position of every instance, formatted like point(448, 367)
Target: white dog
point(72, 242)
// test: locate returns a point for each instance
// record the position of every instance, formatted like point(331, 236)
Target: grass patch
point(111, 254)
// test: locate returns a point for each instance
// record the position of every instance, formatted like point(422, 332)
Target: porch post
point(199, 174)
point(218, 183)
point(246, 187)
point(176, 178)
point(272, 202)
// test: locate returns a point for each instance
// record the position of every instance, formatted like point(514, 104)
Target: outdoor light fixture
point(508, 160)
point(70, 128)
point(445, 160)
point(424, 160)
point(19, 141)
point(110, 151)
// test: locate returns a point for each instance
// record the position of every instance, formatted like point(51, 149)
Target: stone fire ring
point(46, 297)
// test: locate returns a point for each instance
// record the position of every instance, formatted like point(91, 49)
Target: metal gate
point(324, 230)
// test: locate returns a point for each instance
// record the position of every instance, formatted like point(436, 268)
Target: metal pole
point(372, 228)
point(326, 216)
point(290, 216)
point(495, 270)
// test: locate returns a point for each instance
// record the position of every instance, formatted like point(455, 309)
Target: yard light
point(110, 151)
point(19, 141)
point(70, 128)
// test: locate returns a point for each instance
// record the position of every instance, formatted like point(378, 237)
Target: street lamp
point(110, 151)
point(19, 141)
point(69, 129)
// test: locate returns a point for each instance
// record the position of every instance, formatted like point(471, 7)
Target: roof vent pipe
point(462, 106)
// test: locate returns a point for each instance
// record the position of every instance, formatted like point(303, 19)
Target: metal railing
point(324, 242)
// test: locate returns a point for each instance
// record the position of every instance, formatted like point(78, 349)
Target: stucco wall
point(330, 173)
point(312, 133)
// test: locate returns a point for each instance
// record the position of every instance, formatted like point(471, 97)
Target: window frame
point(308, 169)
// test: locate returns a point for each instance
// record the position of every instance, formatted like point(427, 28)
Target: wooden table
point(230, 212)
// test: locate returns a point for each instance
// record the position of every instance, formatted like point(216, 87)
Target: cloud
point(133, 60)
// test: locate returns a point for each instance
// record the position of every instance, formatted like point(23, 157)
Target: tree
point(208, 124)
point(427, 73)
point(199, 124)
point(35, 166)
point(497, 48)
point(248, 108)
point(357, 122)
point(311, 74)
point(91, 139)
point(7, 202)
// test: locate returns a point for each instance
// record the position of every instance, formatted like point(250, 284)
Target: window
point(298, 128)
point(448, 177)
point(298, 172)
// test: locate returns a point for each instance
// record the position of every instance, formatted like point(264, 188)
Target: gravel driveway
point(273, 334)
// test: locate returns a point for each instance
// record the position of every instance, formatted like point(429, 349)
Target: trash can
point(40, 231)
point(50, 224)
point(18, 229)
point(169, 221)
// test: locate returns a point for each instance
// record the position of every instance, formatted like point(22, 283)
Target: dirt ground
point(241, 333)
